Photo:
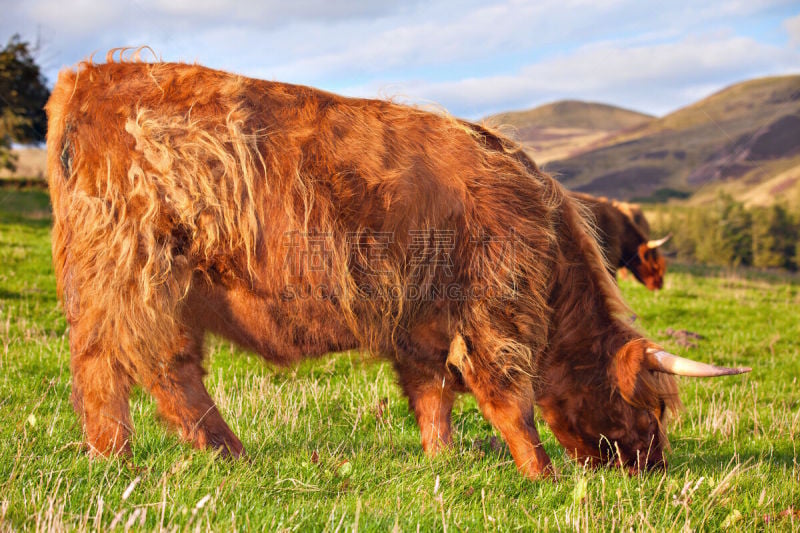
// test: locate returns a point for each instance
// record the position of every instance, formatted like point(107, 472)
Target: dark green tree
point(723, 233)
point(736, 233)
point(774, 237)
point(23, 94)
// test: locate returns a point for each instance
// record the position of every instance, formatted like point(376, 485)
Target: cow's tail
point(59, 171)
point(120, 280)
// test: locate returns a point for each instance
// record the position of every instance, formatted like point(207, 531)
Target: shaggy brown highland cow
point(623, 234)
point(295, 223)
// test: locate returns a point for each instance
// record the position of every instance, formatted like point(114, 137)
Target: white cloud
point(655, 78)
point(792, 26)
point(77, 16)
point(510, 28)
point(472, 57)
point(74, 18)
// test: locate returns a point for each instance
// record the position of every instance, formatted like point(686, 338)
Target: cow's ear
point(627, 367)
point(643, 249)
point(636, 381)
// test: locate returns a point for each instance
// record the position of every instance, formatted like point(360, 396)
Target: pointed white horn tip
point(662, 361)
point(726, 371)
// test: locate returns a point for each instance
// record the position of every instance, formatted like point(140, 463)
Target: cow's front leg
point(430, 397)
point(507, 402)
point(506, 399)
point(185, 403)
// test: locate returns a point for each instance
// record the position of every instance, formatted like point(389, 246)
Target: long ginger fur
point(182, 197)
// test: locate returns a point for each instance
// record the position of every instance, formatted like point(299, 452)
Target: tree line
point(727, 233)
point(23, 93)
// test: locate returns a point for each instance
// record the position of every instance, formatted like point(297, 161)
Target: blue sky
point(472, 58)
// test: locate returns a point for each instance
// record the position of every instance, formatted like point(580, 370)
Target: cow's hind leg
point(430, 397)
point(507, 402)
point(100, 395)
point(184, 402)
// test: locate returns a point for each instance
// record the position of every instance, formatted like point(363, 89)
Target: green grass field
point(332, 445)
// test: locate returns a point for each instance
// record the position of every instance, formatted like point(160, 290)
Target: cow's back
point(176, 173)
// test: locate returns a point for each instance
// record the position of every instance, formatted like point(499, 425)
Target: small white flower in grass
point(31, 420)
point(130, 488)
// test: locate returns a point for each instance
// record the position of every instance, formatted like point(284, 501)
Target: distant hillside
point(561, 129)
point(737, 138)
point(783, 186)
point(31, 164)
point(572, 114)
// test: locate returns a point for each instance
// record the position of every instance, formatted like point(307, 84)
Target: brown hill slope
point(746, 133)
point(573, 114)
point(562, 129)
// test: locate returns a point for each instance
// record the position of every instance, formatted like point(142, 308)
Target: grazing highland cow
point(623, 235)
point(295, 223)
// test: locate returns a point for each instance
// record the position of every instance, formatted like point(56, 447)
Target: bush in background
point(726, 233)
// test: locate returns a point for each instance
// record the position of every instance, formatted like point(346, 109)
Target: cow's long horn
point(659, 242)
point(662, 361)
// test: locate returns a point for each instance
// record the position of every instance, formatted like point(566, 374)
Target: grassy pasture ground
point(332, 445)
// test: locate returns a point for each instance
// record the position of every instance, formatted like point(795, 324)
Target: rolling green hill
point(737, 139)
